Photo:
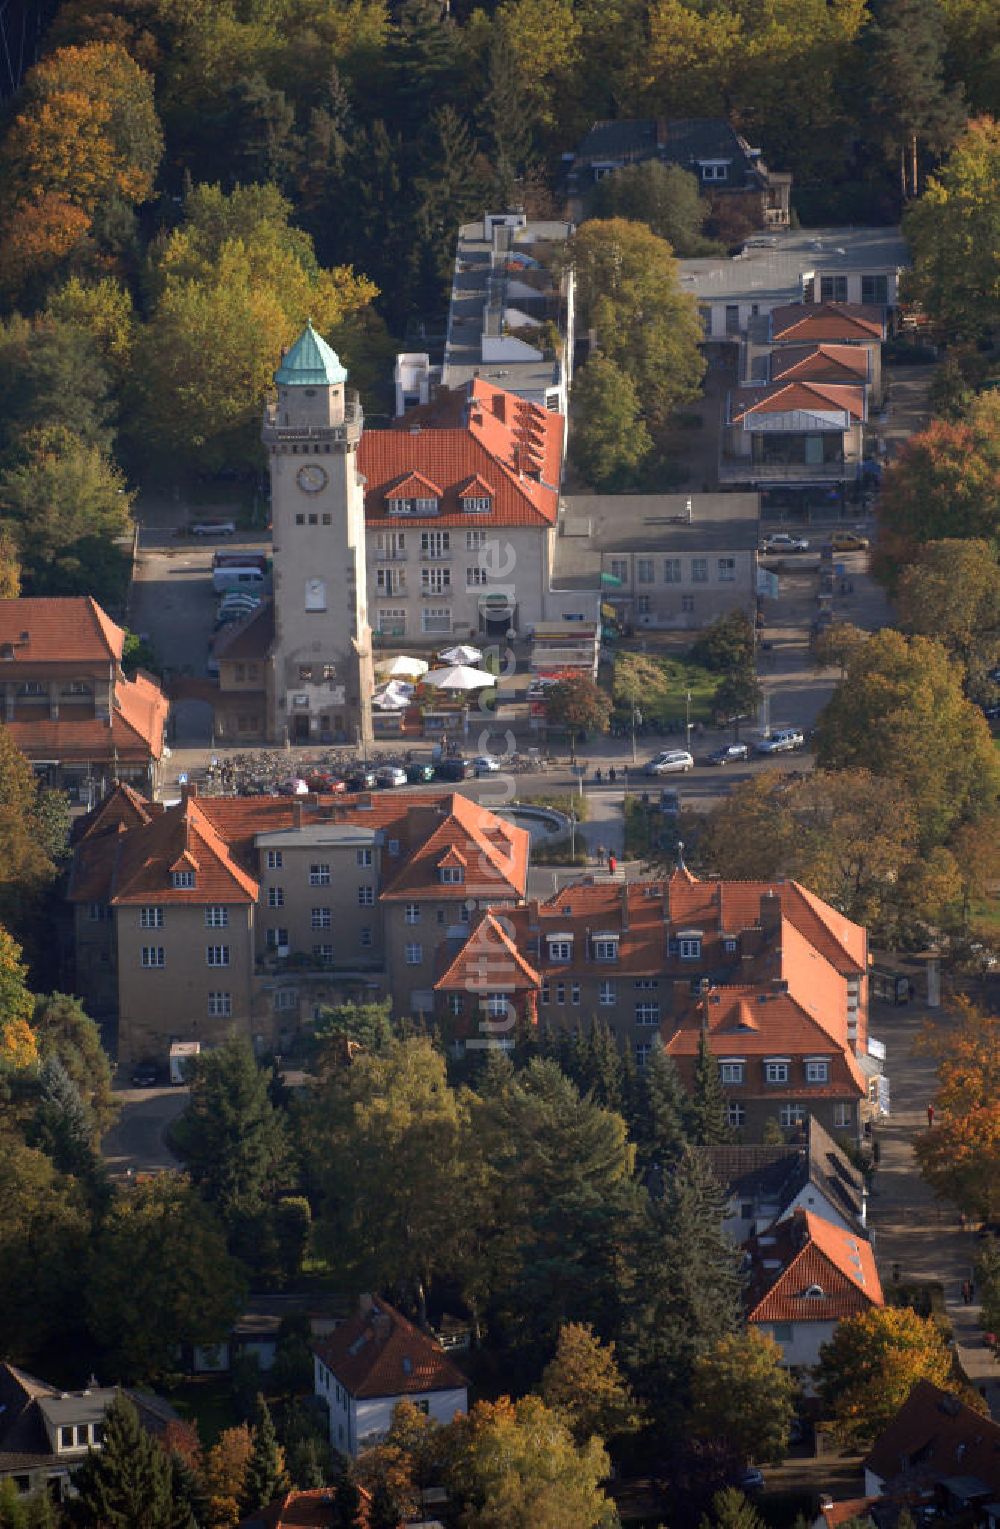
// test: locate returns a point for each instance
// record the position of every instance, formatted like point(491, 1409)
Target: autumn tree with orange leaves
point(871, 1364)
point(959, 1155)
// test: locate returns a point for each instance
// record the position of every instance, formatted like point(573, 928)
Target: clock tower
point(321, 658)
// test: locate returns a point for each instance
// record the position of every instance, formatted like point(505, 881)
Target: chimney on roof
point(297, 814)
point(500, 407)
point(770, 912)
point(189, 790)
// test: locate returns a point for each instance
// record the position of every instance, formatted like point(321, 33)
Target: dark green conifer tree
point(709, 1121)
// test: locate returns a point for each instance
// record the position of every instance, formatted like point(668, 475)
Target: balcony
point(348, 433)
point(733, 469)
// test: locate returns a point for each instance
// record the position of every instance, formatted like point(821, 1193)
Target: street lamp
point(687, 719)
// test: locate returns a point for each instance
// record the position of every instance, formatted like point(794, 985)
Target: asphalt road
point(136, 1142)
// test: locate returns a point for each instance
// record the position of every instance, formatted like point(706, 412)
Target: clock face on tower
point(311, 478)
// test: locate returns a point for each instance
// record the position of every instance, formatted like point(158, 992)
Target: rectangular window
point(818, 1072)
point(646, 984)
point(275, 860)
point(435, 621)
point(545, 992)
point(477, 505)
point(727, 570)
point(366, 897)
point(183, 880)
point(732, 318)
point(647, 1013)
point(643, 1050)
point(455, 1003)
point(736, 1114)
point(574, 993)
point(791, 1115)
point(390, 581)
point(607, 994)
point(560, 950)
point(321, 918)
point(413, 954)
point(366, 937)
point(782, 1332)
point(322, 952)
point(286, 998)
point(217, 916)
point(150, 918)
point(217, 955)
point(220, 1005)
point(560, 992)
point(776, 1072)
point(319, 875)
point(699, 570)
point(364, 858)
point(605, 950)
point(392, 623)
point(671, 570)
point(841, 1116)
point(618, 569)
point(689, 949)
point(497, 1005)
point(276, 938)
point(66, 1438)
point(833, 289)
point(435, 543)
point(475, 541)
point(153, 955)
point(411, 913)
point(644, 570)
point(643, 605)
point(687, 605)
point(476, 578)
point(730, 1072)
point(451, 875)
point(875, 290)
point(729, 945)
point(434, 581)
point(275, 897)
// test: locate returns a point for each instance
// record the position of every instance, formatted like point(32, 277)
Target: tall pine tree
point(128, 1482)
point(664, 1124)
point(266, 1477)
point(709, 1121)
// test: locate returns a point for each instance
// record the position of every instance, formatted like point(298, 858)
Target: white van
point(237, 576)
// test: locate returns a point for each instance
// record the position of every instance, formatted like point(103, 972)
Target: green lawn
point(660, 687)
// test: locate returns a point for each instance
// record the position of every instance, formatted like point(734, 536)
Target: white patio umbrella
point(459, 677)
point(462, 654)
point(403, 668)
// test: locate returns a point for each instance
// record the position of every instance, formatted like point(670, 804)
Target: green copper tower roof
point(310, 363)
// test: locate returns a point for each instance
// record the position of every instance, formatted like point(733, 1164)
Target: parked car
point(360, 779)
point(667, 761)
point(146, 1075)
point(213, 527)
point(244, 597)
point(485, 764)
point(781, 541)
point(752, 1480)
point(670, 803)
point(454, 769)
point(782, 741)
point(326, 784)
point(390, 776)
point(293, 786)
point(729, 753)
point(417, 771)
point(848, 541)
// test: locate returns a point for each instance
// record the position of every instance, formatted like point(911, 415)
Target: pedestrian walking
point(612, 864)
point(601, 852)
point(930, 1115)
point(612, 775)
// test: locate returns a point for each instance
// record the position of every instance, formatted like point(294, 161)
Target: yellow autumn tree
point(225, 1470)
point(18, 1045)
point(36, 238)
point(960, 1155)
point(871, 1364)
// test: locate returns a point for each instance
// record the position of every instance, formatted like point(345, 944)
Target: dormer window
point(605, 947)
point(776, 1071)
point(560, 948)
point(182, 881)
point(477, 504)
point(817, 1070)
point(714, 169)
point(689, 945)
point(451, 875)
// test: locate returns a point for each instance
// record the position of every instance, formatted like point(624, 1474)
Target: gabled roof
point(826, 321)
point(935, 1436)
point(135, 734)
point(310, 362)
point(477, 442)
point(495, 854)
point(797, 398)
point(379, 1353)
point(820, 363)
point(72, 629)
point(122, 809)
point(250, 638)
point(312, 1509)
point(135, 866)
point(489, 961)
point(805, 1269)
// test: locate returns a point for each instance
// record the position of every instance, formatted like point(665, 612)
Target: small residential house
point(375, 1360)
point(849, 1510)
point(806, 1276)
point(730, 173)
point(45, 1433)
point(765, 1184)
point(244, 698)
point(67, 703)
point(795, 433)
point(824, 342)
point(939, 1451)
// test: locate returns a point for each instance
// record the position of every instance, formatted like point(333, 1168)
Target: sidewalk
point(909, 1225)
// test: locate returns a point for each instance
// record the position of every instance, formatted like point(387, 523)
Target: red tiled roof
point(826, 321)
point(134, 866)
point(820, 363)
point(122, 808)
point(489, 962)
point(250, 638)
point(379, 1353)
point(312, 1509)
point(934, 1435)
point(495, 854)
point(782, 397)
point(837, 1266)
point(134, 737)
point(60, 630)
point(481, 443)
point(837, 1513)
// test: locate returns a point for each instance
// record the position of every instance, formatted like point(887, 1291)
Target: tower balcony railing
point(349, 430)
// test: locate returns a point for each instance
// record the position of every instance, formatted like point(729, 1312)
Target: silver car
point(670, 761)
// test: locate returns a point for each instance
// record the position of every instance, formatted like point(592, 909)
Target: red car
point(325, 784)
